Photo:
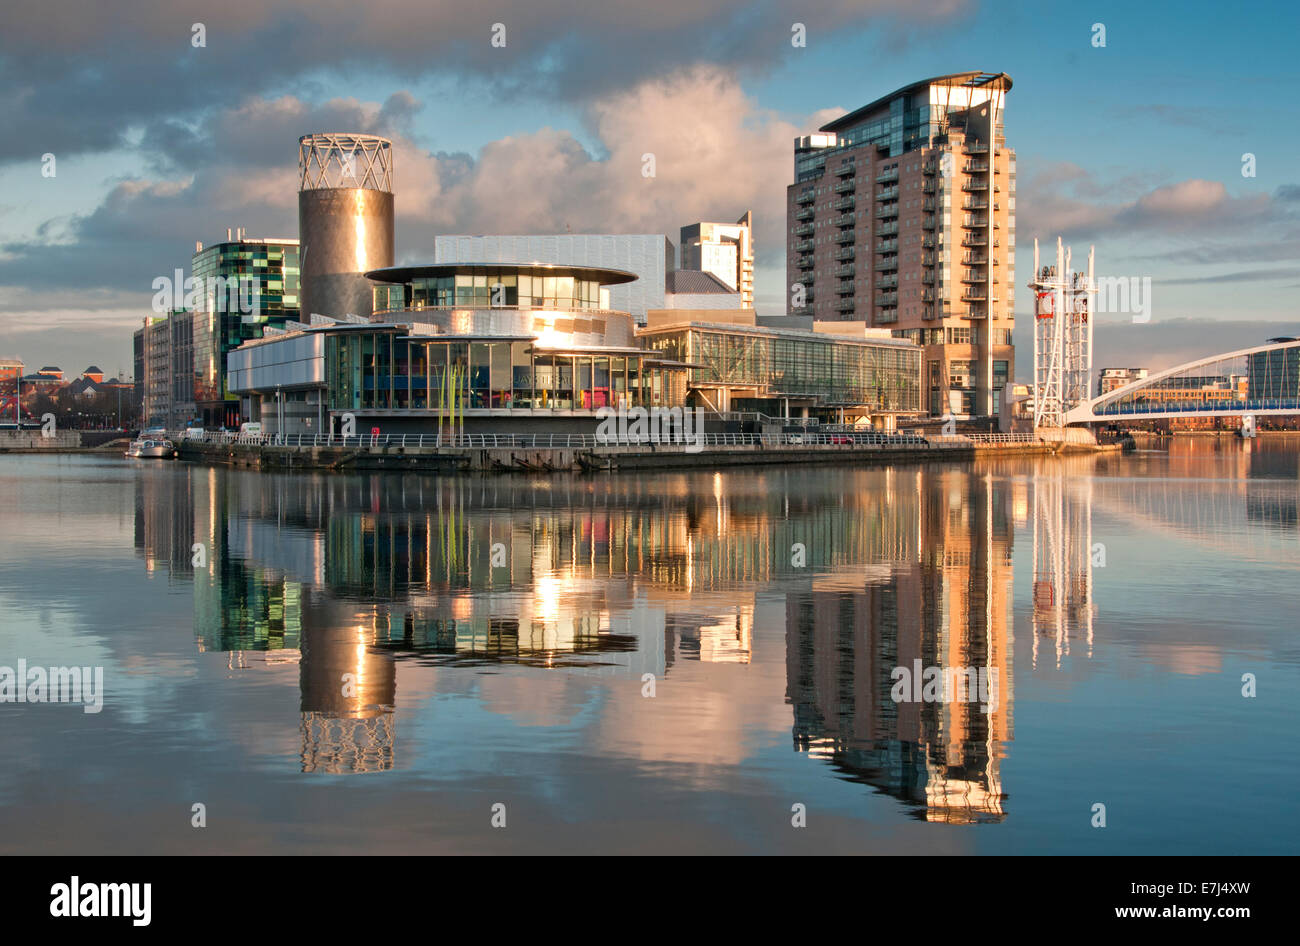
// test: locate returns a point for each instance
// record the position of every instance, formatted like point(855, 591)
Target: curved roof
point(401, 274)
point(999, 80)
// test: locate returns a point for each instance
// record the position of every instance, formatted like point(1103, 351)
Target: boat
point(152, 449)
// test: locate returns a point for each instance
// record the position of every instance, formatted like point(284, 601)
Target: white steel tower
point(1062, 337)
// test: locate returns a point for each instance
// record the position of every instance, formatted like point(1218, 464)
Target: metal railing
point(806, 437)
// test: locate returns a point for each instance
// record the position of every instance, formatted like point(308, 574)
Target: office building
point(902, 215)
point(724, 249)
point(260, 275)
point(691, 289)
point(648, 256)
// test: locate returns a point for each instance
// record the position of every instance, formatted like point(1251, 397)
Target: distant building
point(93, 373)
point(690, 289)
point(651, 256)
point(1112, 378)
point(724, 249)
point(10, 368)
point(1274, 374)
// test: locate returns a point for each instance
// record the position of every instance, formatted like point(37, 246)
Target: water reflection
point(876, 569)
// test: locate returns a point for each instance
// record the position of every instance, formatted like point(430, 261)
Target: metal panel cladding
point(345, 220)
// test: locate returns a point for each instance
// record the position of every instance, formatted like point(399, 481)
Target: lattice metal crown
point(340, 160)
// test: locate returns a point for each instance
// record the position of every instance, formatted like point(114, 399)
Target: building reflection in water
point(353, 575)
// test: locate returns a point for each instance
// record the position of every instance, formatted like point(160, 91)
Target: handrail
point(806, 438)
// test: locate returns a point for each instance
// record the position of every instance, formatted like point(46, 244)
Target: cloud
point(1068, 200)
point(80, 75)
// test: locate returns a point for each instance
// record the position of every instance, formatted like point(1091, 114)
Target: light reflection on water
point(269, 638)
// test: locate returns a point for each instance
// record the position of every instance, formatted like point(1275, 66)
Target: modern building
point(902, 215)
point(648, 256)
point(492, 343)
point(262, 276)
point(1274, 374)
point(784, 373)
point(724, 249)
point(345, 220)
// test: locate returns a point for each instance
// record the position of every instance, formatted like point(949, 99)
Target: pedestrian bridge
point(1264, 380)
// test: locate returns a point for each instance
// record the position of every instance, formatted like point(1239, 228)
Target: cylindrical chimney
point(345, 221)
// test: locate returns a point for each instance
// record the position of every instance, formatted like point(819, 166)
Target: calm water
point(498, 633)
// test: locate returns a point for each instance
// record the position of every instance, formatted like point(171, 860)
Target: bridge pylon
point(1062, 336)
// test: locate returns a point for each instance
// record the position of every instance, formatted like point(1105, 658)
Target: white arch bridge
point(1259, 381)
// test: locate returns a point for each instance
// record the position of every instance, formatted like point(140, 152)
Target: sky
point(1138, 146)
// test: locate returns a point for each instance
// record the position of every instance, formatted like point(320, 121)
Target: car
point(841, 439)
point(250, 428)
point(795, 438)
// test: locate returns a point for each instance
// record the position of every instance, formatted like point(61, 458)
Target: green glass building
point(245, 285)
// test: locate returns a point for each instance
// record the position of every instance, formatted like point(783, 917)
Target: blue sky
point(1137, 146)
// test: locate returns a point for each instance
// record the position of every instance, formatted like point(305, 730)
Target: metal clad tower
point(345, 220)
point(1062, 337)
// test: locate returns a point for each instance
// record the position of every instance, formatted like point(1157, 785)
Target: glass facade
point(835, 372)
point(228, 317)
point(384, 370)
point(489, 286)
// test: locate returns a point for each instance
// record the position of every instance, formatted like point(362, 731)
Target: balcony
point(843, 220)
point(804, 246)
point(887, 298)
point(975, 312)
point(975, 221)
point(844, 187)
point(974, 276)
point(807, 213)
point(927, 259)
point(975, 184)
point(927, 295)
point(928, 242)
point(887, 246)
point(975, 239)
point(928, 205)
point(886, 176)
point(888, 193)
point(847, 269)
point(974, 203)
point(805, 229)
point(843, 305)
point(928, 223)
point(844, 236)
point(845, 253)
point(929, 187)
point(887, 316)
point(805, 197)
point(845, 170)
point(887, 211)
point(975, 167)
point(805, 262)
point(930, 167)
point(844, 203)
point(975, 259)
point(887, 229)
point(974, 295)
point(845, 288)
point(889, 265)
point(887, 282)
point(975, 147)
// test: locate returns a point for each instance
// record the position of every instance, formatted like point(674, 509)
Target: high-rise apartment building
point(724, 249)
point(902, 216)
